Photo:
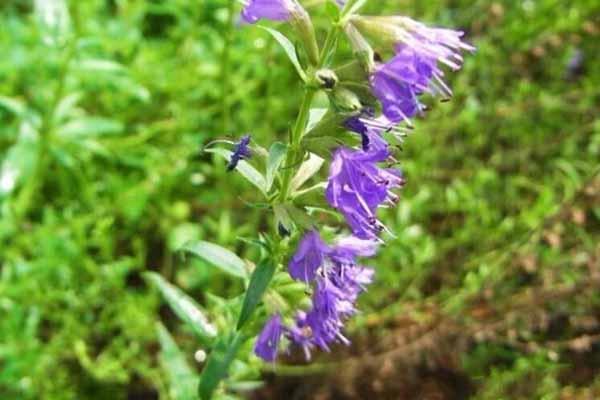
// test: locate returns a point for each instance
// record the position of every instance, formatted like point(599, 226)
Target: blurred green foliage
point(104, 109)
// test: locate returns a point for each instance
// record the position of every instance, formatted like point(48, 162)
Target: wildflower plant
point(305, 286)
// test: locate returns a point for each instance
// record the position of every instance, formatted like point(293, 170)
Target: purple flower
point(336, 289)
point(322, 325)
point(275, 10)
point(308, 258)
point(398, 83)
point(240, 152)
point(371, 130)
point(357, 187)
point(349, 248)
point(346, 275)
point(267, 343)
point(438, 44)
point(414, 69)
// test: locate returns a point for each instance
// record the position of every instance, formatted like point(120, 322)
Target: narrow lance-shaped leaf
point(259, 282)
point(219, 256)
point(53, 19)
point(307, 170)
point(218, 363)
point(90, 126)
point(182, 379)
point(245, 169)
point(95, 65)
point(276, 156)
point(13, 105)
point(289, 49)
point(315, 115)
point(18, 164)
point(183, 306)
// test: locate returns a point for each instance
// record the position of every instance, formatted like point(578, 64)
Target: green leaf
point(332, 10)
point(306, 171)
point(245, 169)
point(53, 19)
point(218, 256)
point(13, 105)
point(90, 126)
point(18, 164)
point(183, 306)
point(101, 66)
point(315, 115)
point(259, 282)
point(289, 49)
point(218, 364)
point(182, 379)
point(67, 107)
point(276, 156)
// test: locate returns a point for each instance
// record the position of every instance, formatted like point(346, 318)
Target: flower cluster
point(336, 280)
point(359, 183)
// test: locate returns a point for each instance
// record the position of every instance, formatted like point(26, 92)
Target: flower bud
point(385, 30)
point(362, 50)
point(345, 100)
point(352, 72)
point(326, 79)
point(306, 33)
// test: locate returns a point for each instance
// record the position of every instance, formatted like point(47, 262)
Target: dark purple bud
point(240, 152)
point(283, 231)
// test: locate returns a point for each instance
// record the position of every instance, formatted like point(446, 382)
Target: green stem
point(294, 150)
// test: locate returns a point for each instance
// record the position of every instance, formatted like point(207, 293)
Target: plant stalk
point(294, 150)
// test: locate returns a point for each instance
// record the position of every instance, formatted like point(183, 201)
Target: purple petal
point(308, 257)
point(267, 343)
point(275, 10)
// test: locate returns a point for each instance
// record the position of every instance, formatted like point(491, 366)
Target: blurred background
point(489, 291)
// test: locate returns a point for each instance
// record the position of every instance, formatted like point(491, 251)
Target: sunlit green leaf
point(306, 171)
point(276, 157)
point(53, 19)
point(90, 126)
point(18, 164)
point(183, 306)
point(245, 169)
point(218, 256)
